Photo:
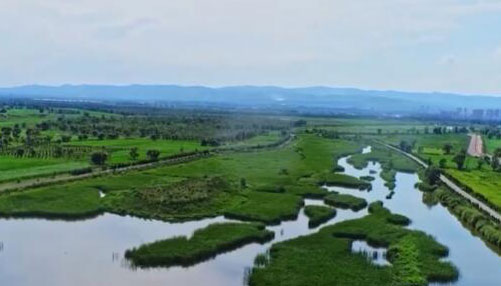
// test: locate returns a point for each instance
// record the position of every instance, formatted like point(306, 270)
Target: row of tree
point(101, 157)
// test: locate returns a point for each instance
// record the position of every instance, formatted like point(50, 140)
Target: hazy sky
point(446, 45)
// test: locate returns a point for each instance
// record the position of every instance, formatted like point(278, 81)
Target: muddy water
point(90, 252)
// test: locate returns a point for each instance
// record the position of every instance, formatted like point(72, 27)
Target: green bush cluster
point(469, 215)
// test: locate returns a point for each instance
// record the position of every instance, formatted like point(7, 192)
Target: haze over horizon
point(443, 46)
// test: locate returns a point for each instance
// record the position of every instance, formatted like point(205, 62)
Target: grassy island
point(204, 244)
point(325, 258)
point(345, 201)
point(318, 214)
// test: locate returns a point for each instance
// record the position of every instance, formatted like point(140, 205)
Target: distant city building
point(477, 113)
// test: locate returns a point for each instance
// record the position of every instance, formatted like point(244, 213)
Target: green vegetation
point(184, 200)
point(275, 182)
point(324, 258)
point(479, 178)
point(491, 144)
point(431, 147)
point(251, 175)
point(318, 214)
point(367, 178)
point(345, 201)
point(71, 136)
point(389, 160)
point(476, 220)
point(386, 157)
point(485, 183)
point(12, 168)
point(204, 244)
point(120, 148)
point(259, 140)
point(342, 180)
point(51, 202)
point(269, 208)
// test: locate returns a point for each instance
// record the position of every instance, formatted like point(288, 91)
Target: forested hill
point(309, 97)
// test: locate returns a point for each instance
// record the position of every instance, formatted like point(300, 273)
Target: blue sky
point(419, 45)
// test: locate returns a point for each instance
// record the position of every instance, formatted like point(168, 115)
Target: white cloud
point(292, 42)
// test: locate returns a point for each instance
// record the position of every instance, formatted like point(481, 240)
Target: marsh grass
point(325, 258)
point(345, 201)
point(204, 244)
point(318, 214)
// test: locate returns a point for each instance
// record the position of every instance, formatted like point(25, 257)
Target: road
point(481, 205)
point(476, 147)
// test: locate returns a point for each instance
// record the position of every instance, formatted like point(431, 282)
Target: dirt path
point(476, 147)
point(481, 205)
point(42, 181)
point(62, 178)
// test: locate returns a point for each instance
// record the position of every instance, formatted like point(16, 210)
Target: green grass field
point(12, 168)
point(485, 182)
point(262, 139)
point(31, 117)
point(491, 144)
point(19, 116)
point(123, 146)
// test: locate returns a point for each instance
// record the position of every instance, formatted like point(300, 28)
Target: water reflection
point(78, 253)
point(376, 255)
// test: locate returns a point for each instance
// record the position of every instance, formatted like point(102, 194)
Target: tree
point(153, 154)
point(442, 163)
point(495, 163)
point(432, 175)
point(243, 183)
point(404, 146)
point(66, 138)
point(480, 163)
point(447, 148)
point(99, 158)
point(133, 154)
point(459, 159)
point(497, 152)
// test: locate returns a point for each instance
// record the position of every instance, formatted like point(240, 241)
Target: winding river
point(90, 252)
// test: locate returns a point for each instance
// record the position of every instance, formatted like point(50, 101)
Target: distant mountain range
point(263, 96)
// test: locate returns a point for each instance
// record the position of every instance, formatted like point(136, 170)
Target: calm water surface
point(90, 252)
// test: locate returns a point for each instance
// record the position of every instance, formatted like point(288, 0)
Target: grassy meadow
point(13, 168)
point(265, 186)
